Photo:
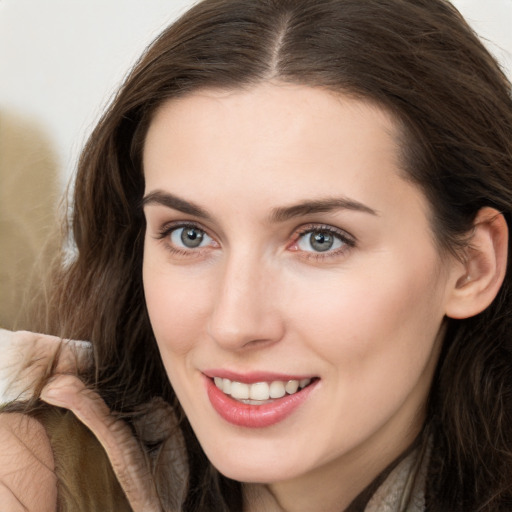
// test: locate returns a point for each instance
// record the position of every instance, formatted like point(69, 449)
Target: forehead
point(270, 119)
point(252, 109)
point(278, 143)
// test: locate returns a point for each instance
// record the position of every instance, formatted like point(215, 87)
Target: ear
point(478, 278)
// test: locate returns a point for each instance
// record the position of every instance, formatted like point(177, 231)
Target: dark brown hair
point(416, 58)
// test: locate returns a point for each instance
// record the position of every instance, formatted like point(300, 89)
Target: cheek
point(364, 319)
point(176, 306)
point(377, 344)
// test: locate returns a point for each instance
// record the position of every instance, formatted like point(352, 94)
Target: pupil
point(191, 237)
point(321, 241)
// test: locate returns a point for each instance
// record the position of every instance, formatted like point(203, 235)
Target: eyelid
point(349, 241)
point(166, 228)
point(164, 232)
point(312, 226)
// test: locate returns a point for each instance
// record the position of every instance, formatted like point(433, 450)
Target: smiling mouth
point(260, 393)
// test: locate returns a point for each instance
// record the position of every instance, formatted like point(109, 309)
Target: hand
point(28, 357)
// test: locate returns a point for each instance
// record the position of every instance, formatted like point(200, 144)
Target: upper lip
point(254, 376)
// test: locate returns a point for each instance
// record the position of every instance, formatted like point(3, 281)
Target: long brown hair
point(416, 58)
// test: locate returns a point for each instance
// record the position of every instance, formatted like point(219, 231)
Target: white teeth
point(304, 382)
point(239, 390)
point(256, 402)
point(259, 392)
point(277, 389)
point(226, 386)
point(291, 386)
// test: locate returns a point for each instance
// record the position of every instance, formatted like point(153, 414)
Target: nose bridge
point(245, 303)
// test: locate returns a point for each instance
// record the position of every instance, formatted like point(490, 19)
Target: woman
point(292, 234)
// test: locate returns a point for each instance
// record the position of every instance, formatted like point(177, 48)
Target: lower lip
point(255, 416)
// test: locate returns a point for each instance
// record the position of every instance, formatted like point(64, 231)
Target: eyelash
point(166, 231)
point(348, 241)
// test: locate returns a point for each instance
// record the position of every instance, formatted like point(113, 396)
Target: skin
point(366, 318)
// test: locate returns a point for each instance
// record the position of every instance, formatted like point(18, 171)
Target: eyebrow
point(319, 206)
point(171, 201)
point(280, 214)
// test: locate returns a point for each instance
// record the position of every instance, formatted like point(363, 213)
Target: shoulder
point(27, 477)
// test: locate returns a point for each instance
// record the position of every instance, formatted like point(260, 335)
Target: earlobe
point(478, 278)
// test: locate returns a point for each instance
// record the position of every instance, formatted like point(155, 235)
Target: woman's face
point(285, 249)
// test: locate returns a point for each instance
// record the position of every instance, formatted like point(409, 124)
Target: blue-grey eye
point(319, 241)
point(189, 237)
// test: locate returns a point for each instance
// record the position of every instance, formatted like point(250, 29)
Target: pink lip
point(255, 416)
point(252, 377)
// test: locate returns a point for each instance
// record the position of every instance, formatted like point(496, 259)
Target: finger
point(29, 357)
point(74, 355)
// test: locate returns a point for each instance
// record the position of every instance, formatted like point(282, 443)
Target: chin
point(257, 475)
point(255, 466)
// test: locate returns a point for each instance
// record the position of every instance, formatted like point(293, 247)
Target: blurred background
point(60, 63)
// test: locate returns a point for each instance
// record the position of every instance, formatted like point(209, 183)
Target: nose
point(246, 312)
